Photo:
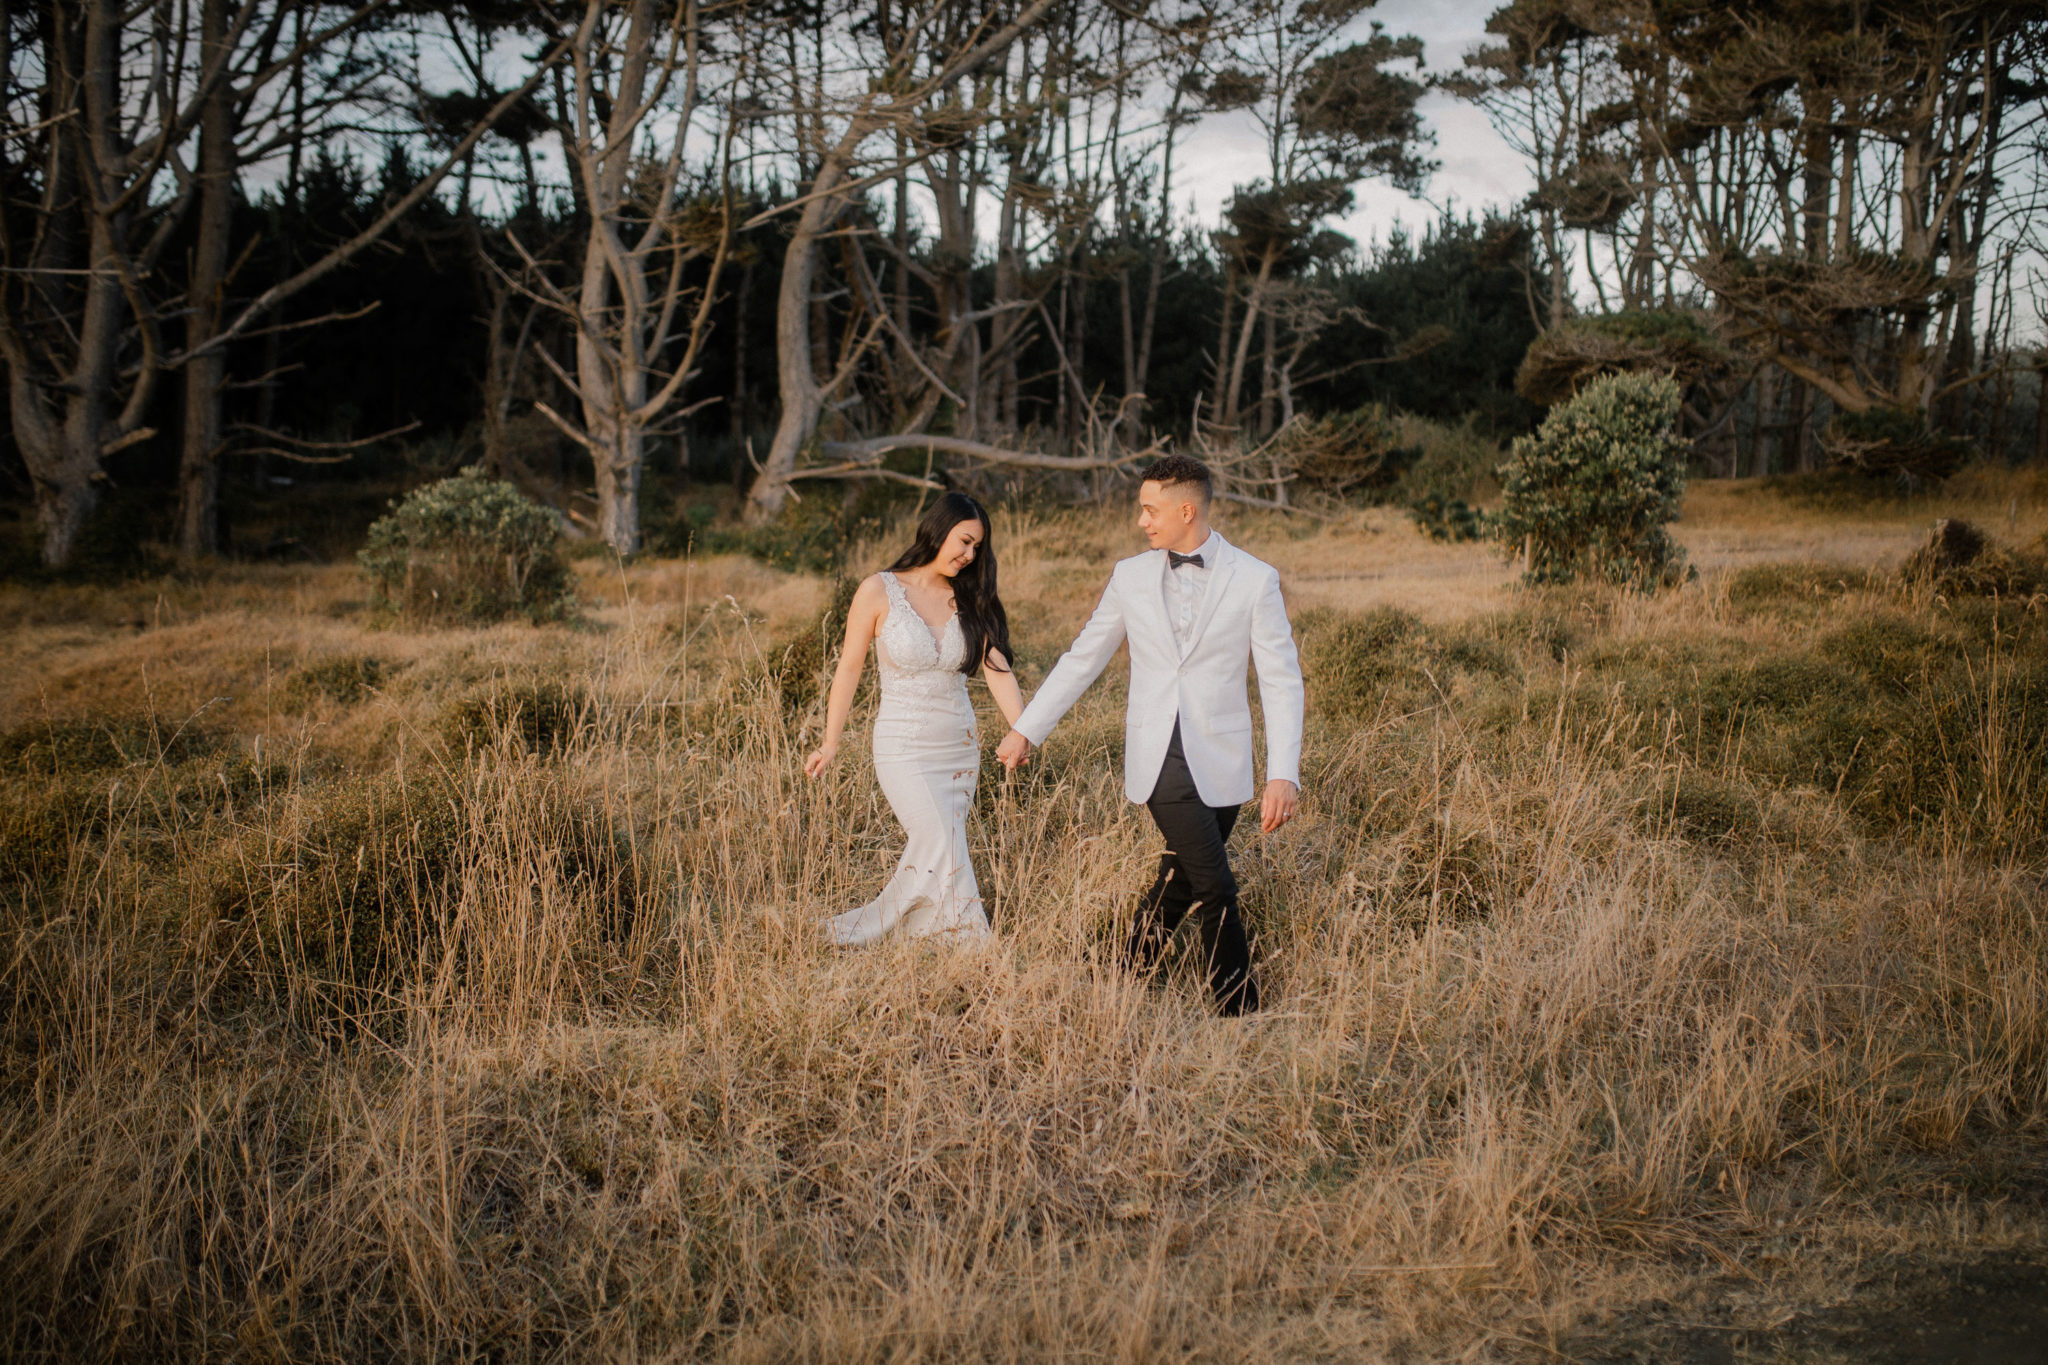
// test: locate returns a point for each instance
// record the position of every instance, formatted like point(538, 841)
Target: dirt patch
point(1992, 1311)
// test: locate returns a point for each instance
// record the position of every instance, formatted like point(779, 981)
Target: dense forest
point(611, 249)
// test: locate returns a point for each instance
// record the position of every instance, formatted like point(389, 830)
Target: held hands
point(1278, 808)
point(1014, 752)
point(820, 759)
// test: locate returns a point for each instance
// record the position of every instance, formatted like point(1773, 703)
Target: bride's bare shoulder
point(871, 591)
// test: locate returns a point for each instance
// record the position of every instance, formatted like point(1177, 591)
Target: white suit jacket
point(1241, 619)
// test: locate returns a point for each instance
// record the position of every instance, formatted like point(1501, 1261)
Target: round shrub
point(470, 548)
point(1588, 495)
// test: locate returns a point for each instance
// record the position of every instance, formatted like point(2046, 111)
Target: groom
point(1194, 609)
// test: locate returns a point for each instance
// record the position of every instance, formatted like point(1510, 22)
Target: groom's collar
point(1208, 549)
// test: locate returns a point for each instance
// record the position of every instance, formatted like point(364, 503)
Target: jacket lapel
point(1212, 596)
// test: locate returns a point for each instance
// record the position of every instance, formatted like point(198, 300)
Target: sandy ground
point(1377, 558)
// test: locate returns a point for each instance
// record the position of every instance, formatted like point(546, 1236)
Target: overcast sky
point(1478, 169)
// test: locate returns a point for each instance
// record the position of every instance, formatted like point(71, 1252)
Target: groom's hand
point(1014, 752)
point(1277, 809)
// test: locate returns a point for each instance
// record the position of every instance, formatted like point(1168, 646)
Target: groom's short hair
point(1182, 471)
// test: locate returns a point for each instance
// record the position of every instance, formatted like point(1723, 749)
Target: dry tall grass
point(376, 994)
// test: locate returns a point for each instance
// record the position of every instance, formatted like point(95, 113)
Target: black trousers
point(1194, 878)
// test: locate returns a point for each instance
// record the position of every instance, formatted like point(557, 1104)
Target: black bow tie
point(1174, 559)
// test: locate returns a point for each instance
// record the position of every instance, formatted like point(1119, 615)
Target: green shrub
point(470, 548)
point(1451, 519)
point(1452, 463)
point(1588, 495)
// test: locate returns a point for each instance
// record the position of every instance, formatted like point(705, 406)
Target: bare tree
point(108, 125)
point(257, 103)
point(634, 97)
point(1332, 113)
point(1533, 85)
point(1829, 178)
point(907, 87)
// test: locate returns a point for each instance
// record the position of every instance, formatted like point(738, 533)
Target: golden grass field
point(373, 993)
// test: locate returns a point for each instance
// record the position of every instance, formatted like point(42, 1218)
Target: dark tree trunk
point(742, 468)
point(2041, 408)
point(1222, 377)
point(1269, 375)
point(206, 374)
point(1799, 452)
point(1766, 422)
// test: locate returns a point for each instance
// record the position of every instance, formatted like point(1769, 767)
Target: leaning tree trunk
point(794, 374)
point(1254, 302)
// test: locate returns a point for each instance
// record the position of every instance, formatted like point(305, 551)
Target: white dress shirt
point(1184, 589)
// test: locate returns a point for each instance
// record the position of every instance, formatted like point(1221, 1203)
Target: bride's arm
point(863, 617)
point(1002, 685)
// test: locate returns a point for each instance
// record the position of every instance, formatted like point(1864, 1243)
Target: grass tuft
point(538, 716)
point(344, 679)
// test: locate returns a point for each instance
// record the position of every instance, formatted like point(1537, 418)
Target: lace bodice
point(916, 666)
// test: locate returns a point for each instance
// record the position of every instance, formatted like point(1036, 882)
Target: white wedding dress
point(927, 757)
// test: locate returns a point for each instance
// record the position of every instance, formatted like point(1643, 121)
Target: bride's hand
point(820, 759)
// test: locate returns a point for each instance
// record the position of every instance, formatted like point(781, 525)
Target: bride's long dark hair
point(983, 622)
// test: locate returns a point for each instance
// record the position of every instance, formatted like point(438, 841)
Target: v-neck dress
point(926, 758)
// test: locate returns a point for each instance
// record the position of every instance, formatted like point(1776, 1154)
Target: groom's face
point(1168, 516)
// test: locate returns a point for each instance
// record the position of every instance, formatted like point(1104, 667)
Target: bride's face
point(963, 542)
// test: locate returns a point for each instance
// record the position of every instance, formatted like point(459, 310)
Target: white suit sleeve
point(1077, 669)
point(1280, 690)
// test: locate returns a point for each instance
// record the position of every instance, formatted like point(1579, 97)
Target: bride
point(935, 621)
